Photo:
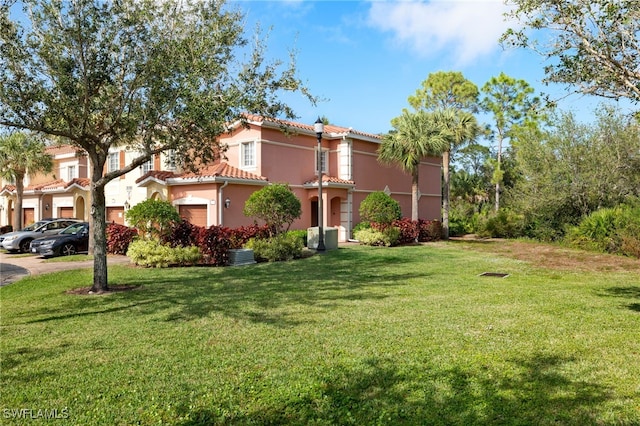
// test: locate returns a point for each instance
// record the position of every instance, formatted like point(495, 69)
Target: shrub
point(119, 237)
point(276, 205)
point(5, 229)
point(153, 217)
point(214, 243)
point(240, 236)
point(286, 246)
point(300, 234)
point(503, 224)
point(361, 225)
point(380, 208)
point(374, 237)
point(611, 230)
point(463, 218)
point(182, 234)
point(409, 230)
point(152, 253)
point(429, 230)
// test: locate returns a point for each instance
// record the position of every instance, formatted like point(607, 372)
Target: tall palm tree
point(416, 136)
point(21, 154)
point(459, 128)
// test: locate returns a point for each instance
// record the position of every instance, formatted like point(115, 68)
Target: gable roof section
point(8, 189)
point(329, 182)
point(222, 169)
point(216, 173)
point(57, 185)
point(330, 131)
point(159, 176)
point(63, 150)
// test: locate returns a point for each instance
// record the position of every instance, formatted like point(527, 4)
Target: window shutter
point(121, 163)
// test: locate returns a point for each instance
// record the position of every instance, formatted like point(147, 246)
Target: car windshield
point(73, 229)
point(34, 226)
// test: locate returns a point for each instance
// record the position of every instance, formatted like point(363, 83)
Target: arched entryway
point(80, 208)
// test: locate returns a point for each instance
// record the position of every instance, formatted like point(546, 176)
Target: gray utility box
point(239, 257)
point(330, 238)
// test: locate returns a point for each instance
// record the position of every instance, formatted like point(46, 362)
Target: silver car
point(19, 241)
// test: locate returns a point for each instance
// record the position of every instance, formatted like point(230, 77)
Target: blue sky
point(366, 57)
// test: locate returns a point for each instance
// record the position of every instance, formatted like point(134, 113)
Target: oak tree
point(143, 75)
point(593, 45)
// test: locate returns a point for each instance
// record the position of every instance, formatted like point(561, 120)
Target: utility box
point(239, 257)
point(330, 238)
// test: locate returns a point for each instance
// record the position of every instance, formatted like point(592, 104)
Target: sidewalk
point(16, 266)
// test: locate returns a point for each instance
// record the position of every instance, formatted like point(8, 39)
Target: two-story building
point(259, 153)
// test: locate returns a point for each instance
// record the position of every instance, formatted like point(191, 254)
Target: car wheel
point(24, 246)
point(68, 249)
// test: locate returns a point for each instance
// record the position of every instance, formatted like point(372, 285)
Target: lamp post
point(318, 126)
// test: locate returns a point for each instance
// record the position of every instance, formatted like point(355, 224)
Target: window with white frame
point(71, 173)
point(324, 158)
point(113, 162)
point(147, 167)
point(171, 159)
point(248, 154)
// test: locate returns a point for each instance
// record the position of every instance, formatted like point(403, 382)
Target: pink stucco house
point(259, 152)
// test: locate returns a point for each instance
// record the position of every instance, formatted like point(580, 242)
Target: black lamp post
point(318, 126)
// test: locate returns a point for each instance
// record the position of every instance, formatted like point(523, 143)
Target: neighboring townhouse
point(259, 152)
point(63, 193)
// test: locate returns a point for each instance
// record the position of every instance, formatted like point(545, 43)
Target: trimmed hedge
point(153, 253)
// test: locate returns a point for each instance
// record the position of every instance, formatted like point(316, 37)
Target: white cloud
point(460, 29)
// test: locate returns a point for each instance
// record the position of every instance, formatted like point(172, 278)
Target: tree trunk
point(17, 211)
point(98, 224)
point(445, 194)
point(414, 194)
point(497, 206)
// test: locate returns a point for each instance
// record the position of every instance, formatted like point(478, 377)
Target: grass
point(71, 258)
point(360, 335)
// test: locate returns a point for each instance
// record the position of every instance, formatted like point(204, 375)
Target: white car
point(19, 241)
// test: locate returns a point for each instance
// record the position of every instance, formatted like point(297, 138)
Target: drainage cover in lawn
point(494, 274)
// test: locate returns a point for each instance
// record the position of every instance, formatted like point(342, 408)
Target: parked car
point(18, 241)
point(69, 241)
point(26, 228)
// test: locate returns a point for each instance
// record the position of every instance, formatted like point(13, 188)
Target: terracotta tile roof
point(329, 129)
point(58, 183)
point(222, 170)
point(157, 174)
point(52, 185)
point(329, 179)
point(216, 170)
point(82, 182)
point(8, 188)
point(62, 149)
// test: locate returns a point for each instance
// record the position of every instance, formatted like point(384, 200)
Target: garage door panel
point(115, 215)
point(194, 214)
point(65, 212)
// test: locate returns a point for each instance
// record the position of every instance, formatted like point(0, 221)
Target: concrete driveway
point(16, 266)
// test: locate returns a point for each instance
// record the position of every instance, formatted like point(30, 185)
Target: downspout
point(221, 202)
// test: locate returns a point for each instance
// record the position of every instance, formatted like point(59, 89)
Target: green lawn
point(408, 335)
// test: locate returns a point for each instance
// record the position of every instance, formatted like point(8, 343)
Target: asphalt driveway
point(16, 266)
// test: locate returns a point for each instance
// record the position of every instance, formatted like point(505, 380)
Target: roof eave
point(215, 179)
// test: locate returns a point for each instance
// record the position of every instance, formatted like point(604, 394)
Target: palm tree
point(416, 136)
point(21, 154)
point(458, 128)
